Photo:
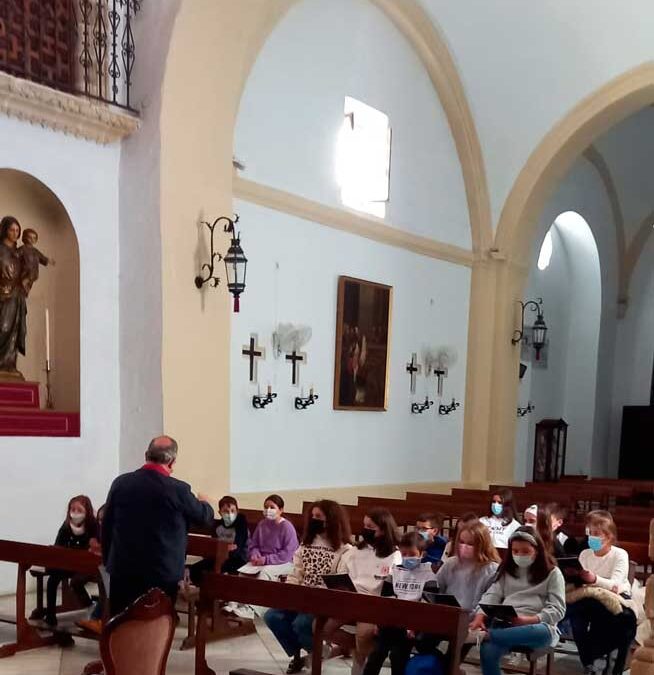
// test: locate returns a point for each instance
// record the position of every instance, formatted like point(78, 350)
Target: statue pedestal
point(21, 413)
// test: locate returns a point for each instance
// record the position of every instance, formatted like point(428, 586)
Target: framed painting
point(363, 322)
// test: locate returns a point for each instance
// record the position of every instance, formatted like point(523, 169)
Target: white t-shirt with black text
point(499, 531)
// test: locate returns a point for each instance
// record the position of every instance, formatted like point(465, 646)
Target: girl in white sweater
point(368, 564)
point(596, 630)
point(326, 538)
point(529, 581)
point(501, 520)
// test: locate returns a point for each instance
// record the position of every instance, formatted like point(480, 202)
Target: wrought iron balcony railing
point(84, 47)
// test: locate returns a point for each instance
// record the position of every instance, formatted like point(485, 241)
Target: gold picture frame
point(363, 334)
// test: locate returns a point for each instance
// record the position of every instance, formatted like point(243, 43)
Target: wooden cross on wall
point(296, 358)
point(253, 352)
point(414, 369)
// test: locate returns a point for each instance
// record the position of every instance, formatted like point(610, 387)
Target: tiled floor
point(257, 652)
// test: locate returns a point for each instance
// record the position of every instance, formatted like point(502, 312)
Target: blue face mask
point(595, 543)
point(411, 563)
point(424, 534)
point(497, 509)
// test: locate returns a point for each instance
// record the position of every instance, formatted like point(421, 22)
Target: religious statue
point(19, 269)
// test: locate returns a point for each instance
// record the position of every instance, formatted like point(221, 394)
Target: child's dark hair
point(387, 543)
point(90, 522)
point(508, 504)
point(337, 524)
point(229, 501)
point(413, 540)
point(275, 499)
point(436, 520)
point(542, 565)
point(559, 512)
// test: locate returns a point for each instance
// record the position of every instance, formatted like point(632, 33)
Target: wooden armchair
point(138, 641)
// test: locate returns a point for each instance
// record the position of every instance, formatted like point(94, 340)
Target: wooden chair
point(138, 641)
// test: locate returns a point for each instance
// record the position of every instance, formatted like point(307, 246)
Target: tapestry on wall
point(362, 345)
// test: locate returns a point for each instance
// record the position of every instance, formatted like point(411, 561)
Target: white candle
point(47, 336)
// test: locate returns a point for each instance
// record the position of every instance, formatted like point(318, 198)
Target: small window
point(363, 158)
point(546, 250)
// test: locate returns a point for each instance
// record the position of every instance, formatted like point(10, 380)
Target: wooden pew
point(221, 626)
point(449, 622)
point(25, 555)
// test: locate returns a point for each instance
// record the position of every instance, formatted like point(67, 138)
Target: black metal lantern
point(539, 328)
point(539, 332)
point(236, 267)
point(235, 261)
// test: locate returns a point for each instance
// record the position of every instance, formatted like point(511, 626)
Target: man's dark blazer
point(146, 521)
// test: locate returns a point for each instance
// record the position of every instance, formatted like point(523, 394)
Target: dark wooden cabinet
point(637, 442)
point(549, 450)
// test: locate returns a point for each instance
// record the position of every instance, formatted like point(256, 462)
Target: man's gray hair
point(162, 450)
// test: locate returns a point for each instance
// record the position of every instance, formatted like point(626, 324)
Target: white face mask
point(229, 518)
point(271, 514)
point(77, 517)
point(523, 561)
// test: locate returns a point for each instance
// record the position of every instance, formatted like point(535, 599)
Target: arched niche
point(563, 383)
point(57, 289)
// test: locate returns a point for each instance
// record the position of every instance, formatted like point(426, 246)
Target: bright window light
point(546, 250)
point(363, 158)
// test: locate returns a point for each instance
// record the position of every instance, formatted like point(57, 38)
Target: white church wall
point(321, 447)
point(563, 58)
point(40, 474)
point(292, 110)
point(140, 243)
point(635, 348)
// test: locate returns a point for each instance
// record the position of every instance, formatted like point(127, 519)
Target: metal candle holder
point(49, 402)
point(304, 403)
point(260, 402)
point(419, 408)
point(447, 409)
point(526, 411)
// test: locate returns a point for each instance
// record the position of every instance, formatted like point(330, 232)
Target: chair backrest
point(138, 641)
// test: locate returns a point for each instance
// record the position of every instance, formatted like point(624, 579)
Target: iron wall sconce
point(260, 402)
point(526, 411)
point(303, 403)
point(419, 408)
point(539, 328)
point(236, 263)
point(447, 409)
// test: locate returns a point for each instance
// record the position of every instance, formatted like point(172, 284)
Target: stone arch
point(196, 181)
point(36, 206)
point(568, 139)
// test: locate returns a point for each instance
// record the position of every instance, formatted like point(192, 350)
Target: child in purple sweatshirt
point(275, 540)
point(271, 551)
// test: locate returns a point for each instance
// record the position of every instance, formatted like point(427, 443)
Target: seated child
point(530, 516)
point(408, 583)
point(529, 581)
point(465, 519)
point(231, 528)
point(78, 531)
point(428, 526)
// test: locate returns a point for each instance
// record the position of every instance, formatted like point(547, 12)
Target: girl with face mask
point(368, 565)
point(79, 531)
point(501, 520)
point(326, 538)
point(529, 581)
point(270, 550)
point(598, 631)
point(470, 570)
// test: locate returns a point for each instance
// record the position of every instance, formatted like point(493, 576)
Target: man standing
point(146, 521)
